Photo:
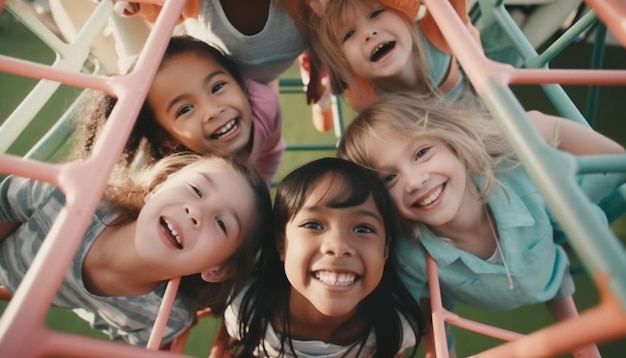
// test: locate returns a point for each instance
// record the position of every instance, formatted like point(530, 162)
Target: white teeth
point(225, 129)
point(335, 279)
point(432, 197)
point(173, 231)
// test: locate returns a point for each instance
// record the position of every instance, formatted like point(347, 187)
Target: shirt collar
point(509, 211)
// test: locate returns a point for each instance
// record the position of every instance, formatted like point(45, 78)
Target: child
point(199, 218)
point(265, 37)
point(454, 176)
point(199, 102)
point(326, 287)
point(378, 48)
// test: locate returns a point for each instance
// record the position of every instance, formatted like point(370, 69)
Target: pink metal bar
point(154, 342)
point(613, 15)
point(478, 68)
point(605, 322)
point(481, 328)
point(10, 164)
point(437, 310)
point(39, 71)
point(440, 316)
point(83, 183)
point(564, 336)
point(568, 77)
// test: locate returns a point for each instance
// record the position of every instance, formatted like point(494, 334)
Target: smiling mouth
point(431, 198)
point(336, 279)
point(382, 50)
point(226, 129)
point(171, 233)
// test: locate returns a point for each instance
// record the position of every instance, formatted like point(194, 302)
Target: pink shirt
point(268, 144)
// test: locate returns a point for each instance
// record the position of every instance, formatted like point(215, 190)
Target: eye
point(388, 178)
point(221, 223)
point(348, 35)
point(376, 13)
point(184, 109)
point(196, 190)
point(217, 86)
point(312, 225)
point(421, 153)
point(364, 229)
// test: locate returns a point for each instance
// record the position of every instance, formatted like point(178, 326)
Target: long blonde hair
point(470, 133)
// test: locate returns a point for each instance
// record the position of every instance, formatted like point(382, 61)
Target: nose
point(370, 35)
point(212, 112)
point(336, 243)
point(416, 181)
point(194, 214)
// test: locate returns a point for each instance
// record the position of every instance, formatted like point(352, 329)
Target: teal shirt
point(539, 267)
point(438, 68)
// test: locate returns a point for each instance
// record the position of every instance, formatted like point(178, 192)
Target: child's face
point(201, 105)
point(376, 44)
point(333, 258)
point(195, 220)
point(426, 179)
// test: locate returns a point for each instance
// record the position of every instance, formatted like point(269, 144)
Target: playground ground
point(17, 41)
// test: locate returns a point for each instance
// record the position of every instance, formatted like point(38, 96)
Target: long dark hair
point(267, 298)
point(147, 137)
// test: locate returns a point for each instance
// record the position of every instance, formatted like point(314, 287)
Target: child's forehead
point(209, 165)
point(333, 188)
point(192, 55)
point(346, 11)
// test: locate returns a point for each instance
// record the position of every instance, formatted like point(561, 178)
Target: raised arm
point(572, 137)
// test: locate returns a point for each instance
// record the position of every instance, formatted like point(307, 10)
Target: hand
point(126, 8)
point(318, 6)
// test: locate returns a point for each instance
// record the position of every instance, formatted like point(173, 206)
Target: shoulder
point(25, 195)
point(260, 93)
point(516, 180)
point(231, 314)
point(265, 103)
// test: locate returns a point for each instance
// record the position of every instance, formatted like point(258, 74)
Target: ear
point(280, 246)
point(217, 274)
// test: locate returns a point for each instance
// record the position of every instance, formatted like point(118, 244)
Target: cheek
point(350, 53)
point(376, 267)
point(396, 196)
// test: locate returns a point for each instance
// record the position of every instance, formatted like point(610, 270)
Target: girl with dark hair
point(326, 286)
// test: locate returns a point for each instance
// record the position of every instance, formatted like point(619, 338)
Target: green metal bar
point(596, 63)
point(554, 174)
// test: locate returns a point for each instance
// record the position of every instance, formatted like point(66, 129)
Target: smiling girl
point(199, 102)
point(454, 177)
point(199, 218)
point(326, 286)
point(382, 46)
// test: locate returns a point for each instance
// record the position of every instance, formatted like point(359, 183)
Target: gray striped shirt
point(36, 205)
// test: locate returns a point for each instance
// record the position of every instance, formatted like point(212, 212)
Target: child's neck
point(408, 79)
point(306, 323)
point(111, 268)
point(327, 329)
point(251, 21)
point(471, 232)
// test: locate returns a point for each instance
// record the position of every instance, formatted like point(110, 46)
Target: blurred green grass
point(18, 41)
